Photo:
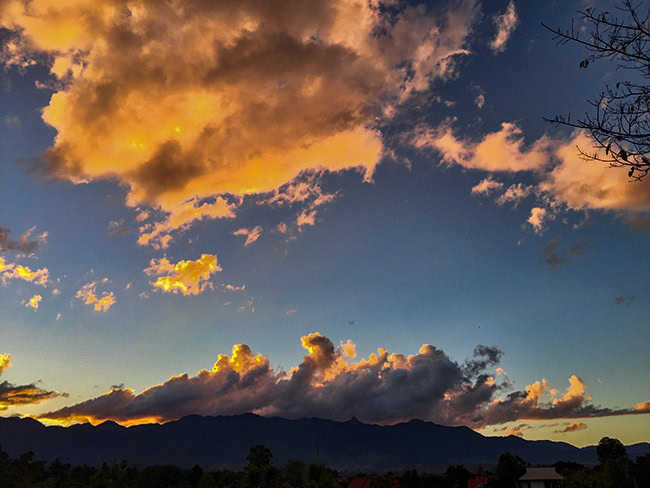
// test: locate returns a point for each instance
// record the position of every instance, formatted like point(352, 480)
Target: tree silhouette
point(619, 121)
point(610, 449)
point(509, 469)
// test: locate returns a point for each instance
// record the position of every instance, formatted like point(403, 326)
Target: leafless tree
point(619, 121)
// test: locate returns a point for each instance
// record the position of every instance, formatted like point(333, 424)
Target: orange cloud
point(581, 184)
point(180, 103)
point(88, 293)
point(572, 427)
point(486, 186)
point(34, 301)
point(16, 271)
point(185, 277)
point(497, 151)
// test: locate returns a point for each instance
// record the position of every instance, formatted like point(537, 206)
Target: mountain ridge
point(224, 441)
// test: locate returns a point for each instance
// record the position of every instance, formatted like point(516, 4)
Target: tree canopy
point(619, 119)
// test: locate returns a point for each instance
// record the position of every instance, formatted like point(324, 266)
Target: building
point(540, 478)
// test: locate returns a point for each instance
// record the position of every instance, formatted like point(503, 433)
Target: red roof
point(359, 483)
point(476, 481)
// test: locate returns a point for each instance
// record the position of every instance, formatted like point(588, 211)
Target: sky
point(323, 209)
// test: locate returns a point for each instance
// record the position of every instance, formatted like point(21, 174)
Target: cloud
point(580, 248)
point(116, 228)
point(514, 194)
point(551, 258)
point(5, 362)
point(230, 287)
point(331, 382)
point(565, 180)
point(251, 234)
point(306, 217)
point(503, 150)
point(34, 301)
point(486, 186)
point(11, 121)
point(572, 427)
point(24, 245)
point(20, 395)
point(506, 24)
point(538, 218)
point(181, 103)
point(580, 184)
point(16, 271)
point(88, 293)
point(186, 276)
point(624, 300)
point(643, 407)
point(159, 234)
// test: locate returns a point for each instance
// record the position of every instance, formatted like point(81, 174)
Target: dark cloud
point(20, 395)
point(551, 258)
point(624, 300)
point(384, 388)
point(24, 244)
point(580, 248)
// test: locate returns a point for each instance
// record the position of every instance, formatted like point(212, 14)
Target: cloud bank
point(180, 101)
point(331, 382)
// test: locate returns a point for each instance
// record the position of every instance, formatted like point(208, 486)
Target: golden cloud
point(181, 102)
point(88, 293)
point(17, 271)
point(34, 302)
point(186, 276)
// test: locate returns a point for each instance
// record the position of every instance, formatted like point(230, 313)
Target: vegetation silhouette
point(615, 470)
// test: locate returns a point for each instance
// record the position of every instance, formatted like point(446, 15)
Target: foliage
point(27, 471)
point(509, 469)
point(610, 449)
point(619, 122)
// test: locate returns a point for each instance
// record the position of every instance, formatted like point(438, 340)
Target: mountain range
point(224, 442)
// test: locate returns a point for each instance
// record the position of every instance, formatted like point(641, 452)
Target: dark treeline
point(614, 471)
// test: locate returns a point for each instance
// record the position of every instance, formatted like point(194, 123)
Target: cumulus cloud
point(503, 150)
point(88, 293)
point(506, 23)
point(17, 271)
point(186, 276)
point(184, 102)
point(251, 234)
point(331, 382)
point(24, 245)
point(20, 395)
point(34, 302)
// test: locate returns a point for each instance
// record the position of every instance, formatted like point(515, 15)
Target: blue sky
point(409, 258)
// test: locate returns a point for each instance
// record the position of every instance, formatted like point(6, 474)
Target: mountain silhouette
point(224, 442)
